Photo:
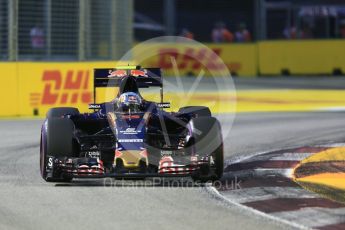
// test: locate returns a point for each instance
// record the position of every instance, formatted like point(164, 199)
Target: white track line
point(332, 145)
point(213, 191)
point(285, 157)
point(238, 159)
point(267, 193)
point(261, 172)
point(332, 109)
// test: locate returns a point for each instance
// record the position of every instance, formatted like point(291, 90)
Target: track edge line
point(214, 192)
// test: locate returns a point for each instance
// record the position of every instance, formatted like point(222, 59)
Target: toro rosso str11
point(130, 136)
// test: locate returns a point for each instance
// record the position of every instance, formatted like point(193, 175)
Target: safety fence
point(73, 30)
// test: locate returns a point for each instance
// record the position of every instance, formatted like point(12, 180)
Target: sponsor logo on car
point(93, 154)
point(94, 106)
point(139, 73)
point(130, 117)
point(163, 105)
point(50, 162)
point(130, 131)
point(131, 140)
point(166, 153)
point(123, 73)
point(117, 73)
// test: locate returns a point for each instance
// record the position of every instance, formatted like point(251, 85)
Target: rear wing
point(145, 77)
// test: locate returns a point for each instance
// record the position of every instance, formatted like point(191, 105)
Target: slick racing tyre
point(207, 140)
point(56, 141)
point(60, 111)
point(199, 111)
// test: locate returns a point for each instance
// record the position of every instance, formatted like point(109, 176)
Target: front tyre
point(56, 141)
point(59, 112)
point(43, 156)
point(197, 111)
point(207, 141)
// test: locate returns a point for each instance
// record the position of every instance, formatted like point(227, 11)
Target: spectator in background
point(186, 33)
point(290, 32)
point(37, 40)
point(242, 34)
point(221, 34)
point(342, 29)
point(306, 32)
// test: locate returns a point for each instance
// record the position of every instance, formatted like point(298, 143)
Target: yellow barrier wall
point(240, 59)
point(9, 89)
point(301, 57)
point(30, 86)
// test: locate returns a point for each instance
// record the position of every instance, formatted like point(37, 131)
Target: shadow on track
point(148, 182)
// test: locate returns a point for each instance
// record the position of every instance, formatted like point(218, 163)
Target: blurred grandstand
point(105, 30)
point(67, 29)
point(49, 48)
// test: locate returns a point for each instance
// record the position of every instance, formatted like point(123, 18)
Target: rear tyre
point(56, 141)
point(206, 135)
point(61, 111)
point(199, 111)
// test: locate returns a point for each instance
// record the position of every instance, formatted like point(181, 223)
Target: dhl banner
point(189, 59)
point(33, 88)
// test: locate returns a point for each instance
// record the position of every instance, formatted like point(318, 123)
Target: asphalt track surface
point(30, 203)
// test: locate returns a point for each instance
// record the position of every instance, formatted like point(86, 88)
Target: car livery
point(148, 142)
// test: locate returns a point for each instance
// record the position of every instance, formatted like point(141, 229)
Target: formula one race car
point(130, 137)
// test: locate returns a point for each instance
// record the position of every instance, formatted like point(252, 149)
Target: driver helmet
point(129, 102)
